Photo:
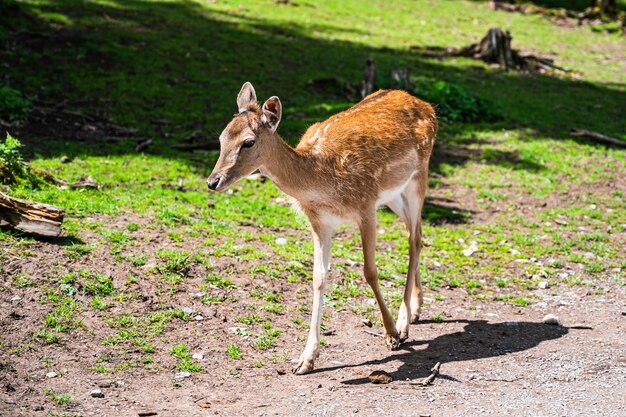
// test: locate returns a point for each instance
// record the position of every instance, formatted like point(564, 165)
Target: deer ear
point(246, 96)
point(272, 112)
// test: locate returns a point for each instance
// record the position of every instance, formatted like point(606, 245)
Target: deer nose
point(213, 183)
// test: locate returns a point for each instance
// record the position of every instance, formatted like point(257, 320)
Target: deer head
point(245, 143)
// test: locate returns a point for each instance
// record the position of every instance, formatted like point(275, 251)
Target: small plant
point(264, 342)
point(99, 369)
point(13, 169)
point(452, 101)
point(234, 352)
point(21, 281)
point(521, 301)
point(182, 353)
point(438, 318)
point(47, 337)
point(61, 399)
point(132, 227)
point(14, 107)
point(97, 284)
point(218, 281)
point(249, 319)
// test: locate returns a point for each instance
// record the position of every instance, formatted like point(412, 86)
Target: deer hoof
point(393, 342)
point(303, 367)
point(415, 318)
point(403, 335)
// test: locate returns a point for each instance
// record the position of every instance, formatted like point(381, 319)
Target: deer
point(372, 154)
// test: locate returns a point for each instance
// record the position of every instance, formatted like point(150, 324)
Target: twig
point(599, 137)
point(430, 378)
point(373, 333)
point(142, 146)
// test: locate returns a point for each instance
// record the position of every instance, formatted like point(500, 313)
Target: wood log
point(35, 218)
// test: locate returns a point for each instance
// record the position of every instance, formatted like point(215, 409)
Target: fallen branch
point(430, 378)
point(143, 145)
point(373, 333)
point(598, 137)
point(36, 218)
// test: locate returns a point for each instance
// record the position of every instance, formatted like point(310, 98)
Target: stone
point(281, 241)
point(188, 310)
point(51, 374)
point(182, 375)
point(197, 356)
point(552, 320)
point(198, 318)
point(97, 393)
point(543, 285)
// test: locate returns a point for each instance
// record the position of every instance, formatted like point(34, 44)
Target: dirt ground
point(497, 359)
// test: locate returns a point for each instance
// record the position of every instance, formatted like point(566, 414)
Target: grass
point(185, 362)
point(61, 399)
point(540, 204)
point(234, 352)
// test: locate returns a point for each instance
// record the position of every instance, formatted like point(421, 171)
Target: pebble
point(197, 356)
point(543, 285)
point(16, 298)
point(552, 319)
point(188, 310)
point(97, 393)
point(281, 241)
point(198, 318)
point(181, 375)
point(52, 374)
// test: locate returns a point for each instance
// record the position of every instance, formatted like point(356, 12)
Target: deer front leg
point(321, 242)
point(368, 238)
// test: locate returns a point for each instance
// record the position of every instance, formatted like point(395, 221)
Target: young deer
point(375, 153)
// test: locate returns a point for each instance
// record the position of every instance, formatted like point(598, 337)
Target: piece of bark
point(599, 137)
point(35, 218)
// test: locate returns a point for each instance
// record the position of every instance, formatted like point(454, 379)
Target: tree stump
point(35, 218)
point(369, 79)
point(495, 48)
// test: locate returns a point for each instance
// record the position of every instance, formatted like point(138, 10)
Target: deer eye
point(248, 143)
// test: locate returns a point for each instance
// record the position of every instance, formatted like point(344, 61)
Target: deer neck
point(287, 168)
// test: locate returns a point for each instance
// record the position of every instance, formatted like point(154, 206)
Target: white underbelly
point(385, 196)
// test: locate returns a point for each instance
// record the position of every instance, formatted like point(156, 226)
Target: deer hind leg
point(321, 241)
point(409, 208)
point(367, 225)
point(416, 193)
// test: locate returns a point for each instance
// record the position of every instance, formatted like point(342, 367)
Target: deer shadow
point(479, 339)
